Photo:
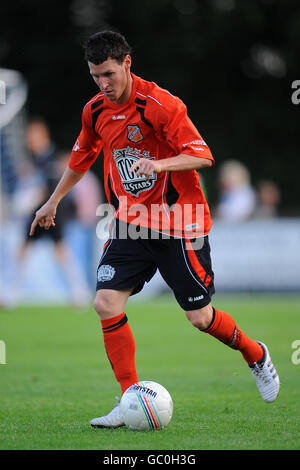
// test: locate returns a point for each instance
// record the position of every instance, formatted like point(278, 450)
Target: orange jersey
point(151, 124)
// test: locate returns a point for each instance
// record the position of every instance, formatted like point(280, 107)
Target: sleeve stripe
point(93, 99)
point(95, 104)
point(95, 116)
point(142, 114)
point(154, 100)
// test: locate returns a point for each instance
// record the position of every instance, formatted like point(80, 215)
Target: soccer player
point(161, 221)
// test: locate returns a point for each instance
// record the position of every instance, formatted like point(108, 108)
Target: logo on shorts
point(194, 299)
point(132, 183)
point(134, 133)
point(106, 273)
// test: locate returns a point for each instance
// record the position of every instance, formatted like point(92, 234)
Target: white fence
point(257, 255)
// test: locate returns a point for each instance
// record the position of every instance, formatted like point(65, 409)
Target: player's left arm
point(181, 162)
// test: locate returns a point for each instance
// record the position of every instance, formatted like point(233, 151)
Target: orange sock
point(224, 328)
point(120, 348)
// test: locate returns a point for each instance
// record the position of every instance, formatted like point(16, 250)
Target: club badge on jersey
point(134, 133)
point(132, 183)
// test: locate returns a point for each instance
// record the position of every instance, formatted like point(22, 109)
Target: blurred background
point(234, 63)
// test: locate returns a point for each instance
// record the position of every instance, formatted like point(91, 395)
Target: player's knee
point(200, 318)
point(107, 304)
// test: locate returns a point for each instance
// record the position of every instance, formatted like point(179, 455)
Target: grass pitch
point(57, 377)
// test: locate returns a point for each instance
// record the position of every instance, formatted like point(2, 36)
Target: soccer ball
point(146, 406)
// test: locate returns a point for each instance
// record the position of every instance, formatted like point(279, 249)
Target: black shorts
point(184, 264)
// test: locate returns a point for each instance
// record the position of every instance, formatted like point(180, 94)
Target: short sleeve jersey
point(152, 124)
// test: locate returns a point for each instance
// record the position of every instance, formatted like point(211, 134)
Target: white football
point(146, 406)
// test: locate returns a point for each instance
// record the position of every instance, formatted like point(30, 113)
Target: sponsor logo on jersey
point(134, 133)
point(106, 273)
point(132, 183)
point(119, 116)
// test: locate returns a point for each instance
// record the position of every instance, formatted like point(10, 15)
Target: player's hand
point(44, 217)
point(146, 167)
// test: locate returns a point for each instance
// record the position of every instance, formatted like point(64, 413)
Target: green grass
point(57, 377)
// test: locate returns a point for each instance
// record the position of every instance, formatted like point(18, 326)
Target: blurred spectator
point(44, 177)
point(87, 194)
point(8, 174)
point(237, 197)
point(12, 148)
point(268, 199)
point(29, 191)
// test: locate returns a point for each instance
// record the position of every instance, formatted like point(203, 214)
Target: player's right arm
point(45, 216)
point(84, 153)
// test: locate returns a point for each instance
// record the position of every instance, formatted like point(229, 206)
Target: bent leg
point(118, 338)
point(201, 318)
point(222, 326)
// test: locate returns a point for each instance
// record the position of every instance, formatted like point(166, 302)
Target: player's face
point(113, 78)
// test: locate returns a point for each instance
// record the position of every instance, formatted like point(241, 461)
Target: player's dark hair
point(106, 44)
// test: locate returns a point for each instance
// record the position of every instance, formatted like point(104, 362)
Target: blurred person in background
point(87, 195)
point(237, 197)
point(44, 176)
point(268, 199)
